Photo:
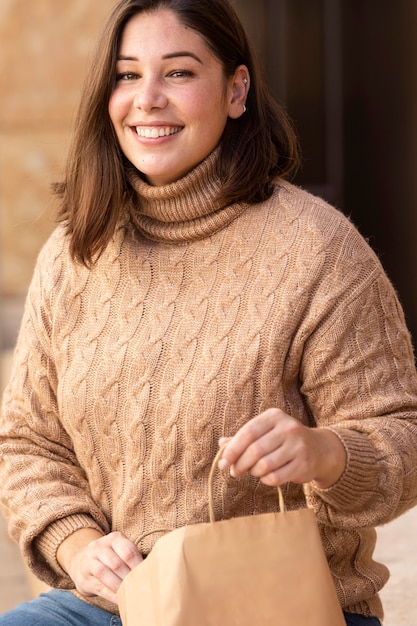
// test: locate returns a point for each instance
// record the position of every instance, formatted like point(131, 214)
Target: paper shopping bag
point(261, 570)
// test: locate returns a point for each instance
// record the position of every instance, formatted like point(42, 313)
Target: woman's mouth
point(153, 132)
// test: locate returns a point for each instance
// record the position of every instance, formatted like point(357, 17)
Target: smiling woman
point(189, 297)
point(257, 144)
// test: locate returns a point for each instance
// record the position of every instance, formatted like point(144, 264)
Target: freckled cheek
point(118, 107)
point(205, 105)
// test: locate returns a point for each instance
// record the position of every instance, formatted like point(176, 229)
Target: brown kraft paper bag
point(262, 570)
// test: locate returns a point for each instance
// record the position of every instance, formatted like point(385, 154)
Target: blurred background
point(45, 48)
point(346, 70)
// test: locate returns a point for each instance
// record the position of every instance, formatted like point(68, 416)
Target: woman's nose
point(150, 95)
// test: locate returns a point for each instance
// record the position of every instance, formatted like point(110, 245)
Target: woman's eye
point(181, 73)
point(124, 76)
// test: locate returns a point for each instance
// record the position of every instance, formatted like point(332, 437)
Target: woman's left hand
point(276, 448)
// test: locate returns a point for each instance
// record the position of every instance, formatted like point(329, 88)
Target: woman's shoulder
point(59, 281)
point(53, 267)
point(317, 235)
point(318, 223)
point(52, 250)
point(54, 255)
point(56, 251)
point(300, 204)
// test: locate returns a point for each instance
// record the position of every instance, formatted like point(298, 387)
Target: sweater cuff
point(48, 542)
point(361, 476)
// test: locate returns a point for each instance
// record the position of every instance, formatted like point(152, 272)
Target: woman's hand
point(276, 448)
point(97, 564)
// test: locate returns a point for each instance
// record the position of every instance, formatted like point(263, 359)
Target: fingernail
point(223, 464)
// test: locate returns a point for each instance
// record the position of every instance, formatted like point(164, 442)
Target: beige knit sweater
point(126, 375)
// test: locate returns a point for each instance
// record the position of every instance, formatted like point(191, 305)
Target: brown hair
point(254, 150)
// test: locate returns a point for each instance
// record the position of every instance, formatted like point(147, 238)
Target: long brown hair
point(254, 150)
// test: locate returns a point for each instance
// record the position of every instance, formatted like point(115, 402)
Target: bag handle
point(281, 502)
point(217, 458)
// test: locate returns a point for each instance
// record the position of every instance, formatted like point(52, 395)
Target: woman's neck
point(185, 210)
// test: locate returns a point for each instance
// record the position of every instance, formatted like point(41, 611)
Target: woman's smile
point(154, 132)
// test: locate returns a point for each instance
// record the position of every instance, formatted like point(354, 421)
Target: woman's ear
point(240, 84)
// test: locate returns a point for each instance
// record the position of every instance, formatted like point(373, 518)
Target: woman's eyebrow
point(171, 55)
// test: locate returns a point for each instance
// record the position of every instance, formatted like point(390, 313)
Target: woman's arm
point(45, 494)
point(358, 380)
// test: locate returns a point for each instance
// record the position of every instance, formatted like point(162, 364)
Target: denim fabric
point(58, 608)
point(361, 620)
point(62, 608)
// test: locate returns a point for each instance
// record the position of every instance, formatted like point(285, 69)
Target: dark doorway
point(346, 71)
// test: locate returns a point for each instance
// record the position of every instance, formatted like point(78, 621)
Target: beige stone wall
point(45, 48)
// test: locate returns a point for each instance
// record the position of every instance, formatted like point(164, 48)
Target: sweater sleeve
point(359, 379)
point(45, 494)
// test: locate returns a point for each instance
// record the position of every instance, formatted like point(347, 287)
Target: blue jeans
point(62, 608)
point(361, 620)
point(58, 608)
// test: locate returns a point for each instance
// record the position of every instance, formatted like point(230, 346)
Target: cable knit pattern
point(191, 323)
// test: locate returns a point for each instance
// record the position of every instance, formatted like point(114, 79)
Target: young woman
point(191, 296)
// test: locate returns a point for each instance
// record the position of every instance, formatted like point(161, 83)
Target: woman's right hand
point(97, 564)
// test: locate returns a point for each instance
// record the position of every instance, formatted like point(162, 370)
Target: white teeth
point(154, 133)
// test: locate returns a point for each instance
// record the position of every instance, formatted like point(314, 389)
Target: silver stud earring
point(245, 81)
point(244, 108)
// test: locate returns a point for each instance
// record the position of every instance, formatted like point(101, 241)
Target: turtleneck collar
point(185, 210)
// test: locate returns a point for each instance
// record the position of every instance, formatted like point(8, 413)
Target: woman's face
point(171, 100)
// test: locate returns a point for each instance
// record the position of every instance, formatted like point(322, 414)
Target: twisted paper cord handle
point(217, 458)
point(213, 469)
